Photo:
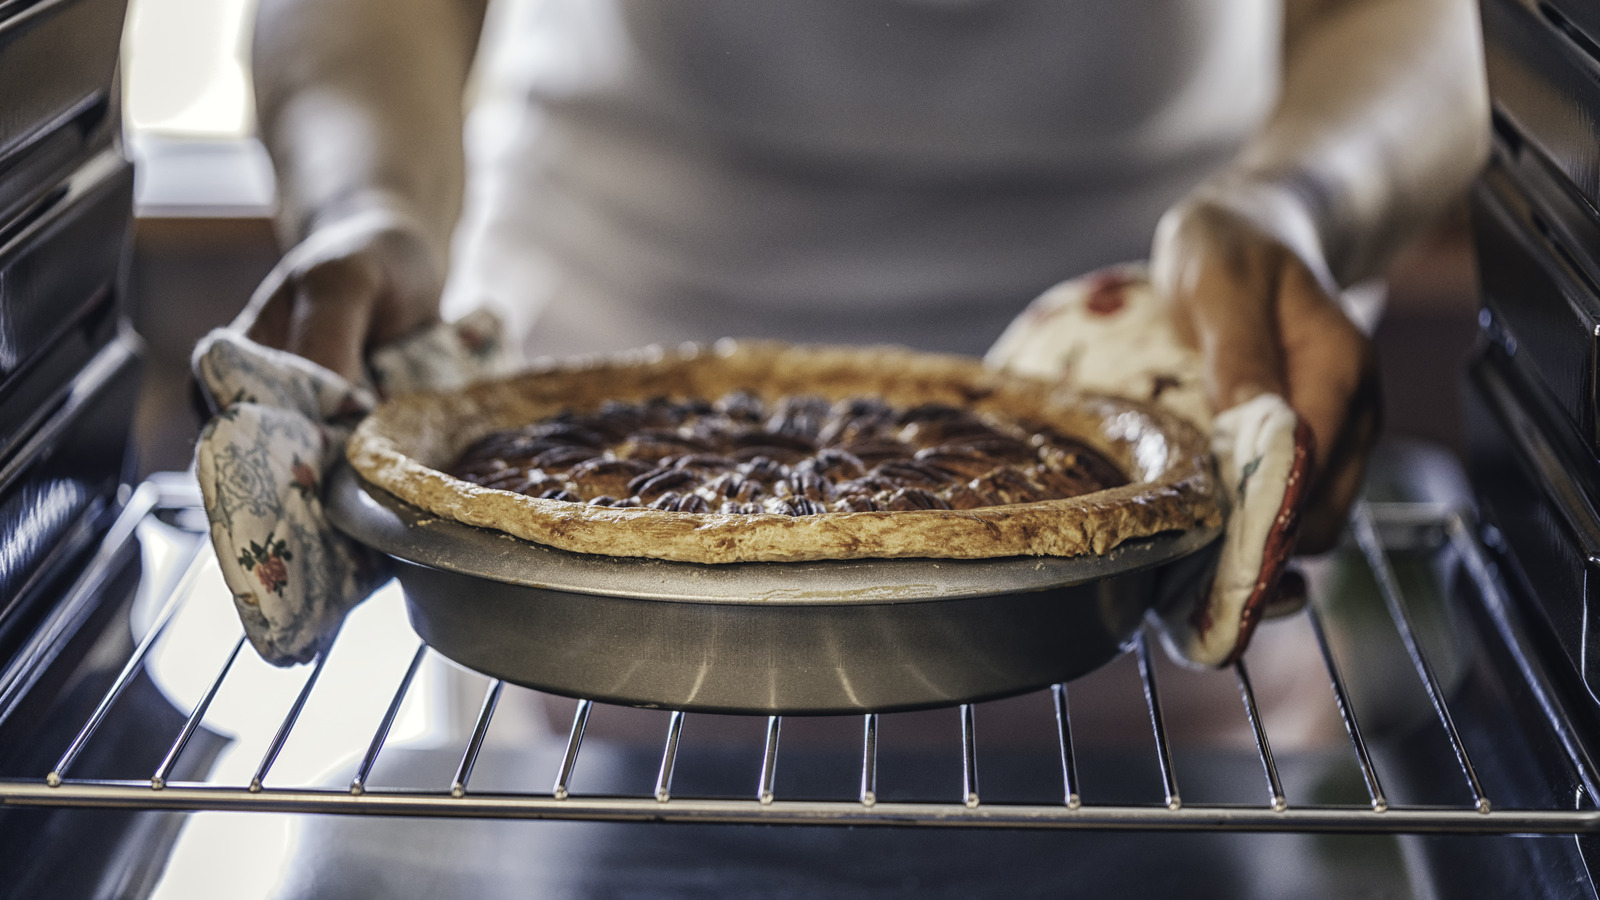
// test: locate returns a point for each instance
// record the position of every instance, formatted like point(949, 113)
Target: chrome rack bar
point(969, 758)
point(178, 597)
point(669, 757)
point(1559, 719)
point(1347, 712)
point(288, 723)
point(164, 771)
point(1366, 535)
point(1152, 699)
point(569, 760)
point(1069, 764)
point(469, 758)
point(769, 761)
point(869, 760)
point(359, 783)
point(1202, 818)
point(1248, 694)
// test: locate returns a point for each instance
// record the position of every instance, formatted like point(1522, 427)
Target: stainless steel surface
point(1069, 763)
point(769, 806)
point(196, 716)
point(20, 676)
point(1366, 536)
point(969, 757)
point(1347, 714)
point(1552, 706)
point(1263, 746)
point(669, 757)
point(1158, 724)
point(59, 266)
point(848, 636)
point(359, 783)
point(869, 760)
point(569, 761)
point(491, 699)
point(286, 727)
point(132, 666)
point(769, 761)
point(58, 60)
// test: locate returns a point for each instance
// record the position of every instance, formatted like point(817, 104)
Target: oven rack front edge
point(1371, 523)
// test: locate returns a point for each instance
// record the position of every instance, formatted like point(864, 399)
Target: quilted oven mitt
point(279, 424)
point(1108, 332)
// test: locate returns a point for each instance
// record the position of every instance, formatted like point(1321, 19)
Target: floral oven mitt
point(1108, 332)
point(280, 423)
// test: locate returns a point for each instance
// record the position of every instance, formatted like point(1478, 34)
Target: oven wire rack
point(1370, 522)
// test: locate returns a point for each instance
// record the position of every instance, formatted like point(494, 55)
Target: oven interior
point(1426, 728)
point(168, 751)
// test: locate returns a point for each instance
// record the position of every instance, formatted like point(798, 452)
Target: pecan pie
point(796, 456)
point(757, 451)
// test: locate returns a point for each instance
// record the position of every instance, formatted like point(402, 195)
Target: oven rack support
point(454, 798)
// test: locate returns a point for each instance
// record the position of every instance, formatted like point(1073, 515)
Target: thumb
point(333, 314)
point(1225, 298)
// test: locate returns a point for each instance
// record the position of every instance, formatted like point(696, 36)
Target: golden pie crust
point(404, 445)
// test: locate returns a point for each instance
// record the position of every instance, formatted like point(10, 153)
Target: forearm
point(360, 108)
point(1383, 119)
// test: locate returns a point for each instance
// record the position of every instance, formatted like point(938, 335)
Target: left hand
point(1263, 323)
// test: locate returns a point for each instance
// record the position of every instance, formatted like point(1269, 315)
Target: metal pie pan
point(827, 637)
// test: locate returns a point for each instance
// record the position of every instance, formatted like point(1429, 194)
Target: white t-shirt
point(907, 171)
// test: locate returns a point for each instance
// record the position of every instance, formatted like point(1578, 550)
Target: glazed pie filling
point(797, 456)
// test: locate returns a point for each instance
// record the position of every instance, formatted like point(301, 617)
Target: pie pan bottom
point(830, 637)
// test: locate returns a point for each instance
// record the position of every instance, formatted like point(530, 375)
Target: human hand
point(1263, 323)
point(348, 288)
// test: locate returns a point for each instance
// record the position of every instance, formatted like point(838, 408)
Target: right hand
point(1263, 323)
point(347, 289)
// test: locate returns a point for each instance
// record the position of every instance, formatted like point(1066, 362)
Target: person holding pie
point(605, 174)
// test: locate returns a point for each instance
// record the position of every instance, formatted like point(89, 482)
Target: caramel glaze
point(797, 456)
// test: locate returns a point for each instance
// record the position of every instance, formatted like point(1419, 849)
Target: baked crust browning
point(404, 446)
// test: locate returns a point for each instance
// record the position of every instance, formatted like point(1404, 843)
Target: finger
point(1222, 282)
point(1327, 358)
point(1237, 332)
point(332, 313)
point(1332, 375)
point(1326, 514)
point(1340, 481)
point(270, 324)
point(398, 314)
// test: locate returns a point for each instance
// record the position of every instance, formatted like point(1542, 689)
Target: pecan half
point(1005, 449)
point(656, 482)
point(704, 462)
point(559, 459)
point(741, 406)
point(856, 503)
point(606, 476)
point(915, 498)
point(834, 464)
point(871, 453)
point(763, 468)
point(908, 473)
point(1009, 485)
point(781, 454)
point(959, 461)
point(960, 496)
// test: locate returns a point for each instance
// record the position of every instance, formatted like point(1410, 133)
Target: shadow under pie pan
point(827, 637)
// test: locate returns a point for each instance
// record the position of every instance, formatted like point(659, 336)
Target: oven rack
point(1376, 528)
